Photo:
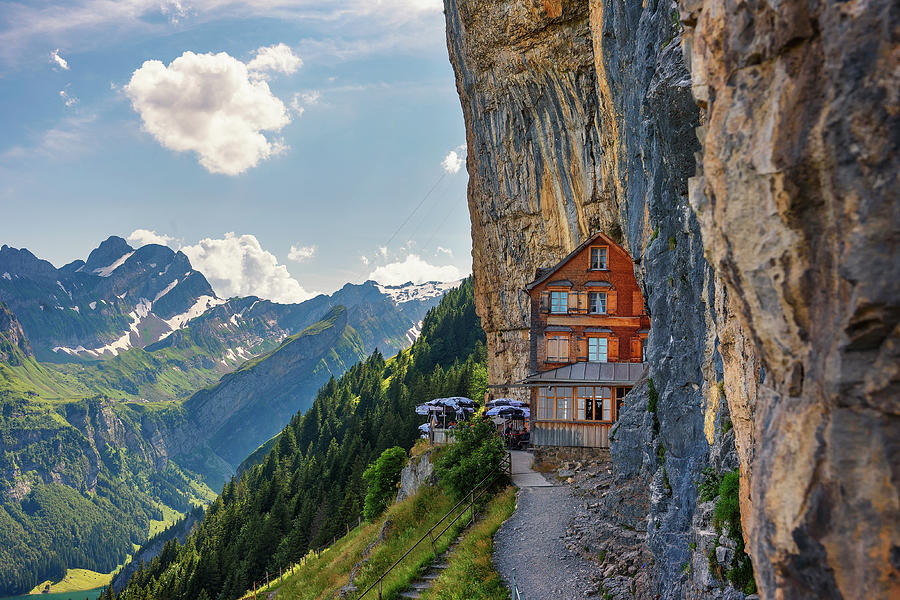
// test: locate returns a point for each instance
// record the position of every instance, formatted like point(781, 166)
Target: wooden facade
point(589, 328)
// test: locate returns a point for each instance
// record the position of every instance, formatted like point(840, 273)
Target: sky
point(287, 147)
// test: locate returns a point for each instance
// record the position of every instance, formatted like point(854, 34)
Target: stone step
point(430, 576)
point(422, 585)
point(440, 565)
point(409, 594)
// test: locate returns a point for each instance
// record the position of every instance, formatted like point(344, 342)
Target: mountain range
point(129, 391)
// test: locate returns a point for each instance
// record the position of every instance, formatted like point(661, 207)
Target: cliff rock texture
point(797, 197)
point(746, 155)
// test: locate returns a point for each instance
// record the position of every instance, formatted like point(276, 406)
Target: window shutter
point(635, 349)
point(573, 301)
point(611, 303)
point(545, 302)
point(613, 349)
point(637, 303)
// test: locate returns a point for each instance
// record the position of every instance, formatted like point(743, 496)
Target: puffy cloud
point(209, 104)
point(364, 259)
point(239, 266)
point(274, 59)
point(454, 160)
point(142, 237)
point(414, 269)
point(446, 251)
point(58, 60)
point(301, 253)
point(69, 100)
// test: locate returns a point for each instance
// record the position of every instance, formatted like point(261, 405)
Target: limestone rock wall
point(797, 197)
point(746, 155)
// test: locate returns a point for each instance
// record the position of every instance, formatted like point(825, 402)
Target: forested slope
point(309, 486)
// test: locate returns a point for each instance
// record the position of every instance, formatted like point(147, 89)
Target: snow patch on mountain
point(203, 304)
point(107, 271)
point(93, 305)
point(411, 291)
point(7, 276)
point(166, 290)
point(414, 332)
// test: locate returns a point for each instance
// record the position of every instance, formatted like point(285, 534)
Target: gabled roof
point(549, 272)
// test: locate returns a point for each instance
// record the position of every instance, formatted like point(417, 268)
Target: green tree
point(381, 480)
point(476, 454)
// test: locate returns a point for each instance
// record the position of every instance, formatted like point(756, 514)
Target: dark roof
point(598, 284)
point(553, 328)
point(617, 373)
point(597, 330)
point(546, 273)
point(561, 283)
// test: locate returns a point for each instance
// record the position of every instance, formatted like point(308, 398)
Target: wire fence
point(472, 496)
point(263, 585)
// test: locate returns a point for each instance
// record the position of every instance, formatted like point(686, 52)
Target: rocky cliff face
point(797, 199)
point(582, 116)
point(13, 343)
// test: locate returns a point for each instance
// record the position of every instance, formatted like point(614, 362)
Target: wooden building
point(589, 328)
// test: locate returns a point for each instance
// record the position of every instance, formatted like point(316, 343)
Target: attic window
point(599, 255)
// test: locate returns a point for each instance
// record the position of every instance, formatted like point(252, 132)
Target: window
point(598, 258)
point(564, 403)
point(597, 302)
point(559, 302)
point(545, 403)
point(606, 397)
point(597, 349)
point(558, 348)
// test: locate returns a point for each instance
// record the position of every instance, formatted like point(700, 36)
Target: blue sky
point(285, 164)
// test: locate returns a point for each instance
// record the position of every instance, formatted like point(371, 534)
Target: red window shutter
point(635, 349)
point(545, 302)
point(611, 302)
point(637, 303)
point(613, 349)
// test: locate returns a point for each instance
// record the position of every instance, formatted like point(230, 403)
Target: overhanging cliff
point(584, 116)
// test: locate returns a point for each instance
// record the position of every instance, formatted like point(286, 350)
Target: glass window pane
point(580, 406)
point(607, 409)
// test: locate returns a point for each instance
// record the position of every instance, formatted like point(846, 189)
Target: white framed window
point(559, 302)
point(564, 403)
point(597, 303)
point(599, 256)
point(597, 349)
point(558, 348)
point(606, 395)
point(545, 403)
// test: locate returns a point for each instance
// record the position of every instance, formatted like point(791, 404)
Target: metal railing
point(504, 466)
point(514, 588)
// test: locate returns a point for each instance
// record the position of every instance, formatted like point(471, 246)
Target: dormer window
point(597, 303)
point(599, 255)
point(559, 303)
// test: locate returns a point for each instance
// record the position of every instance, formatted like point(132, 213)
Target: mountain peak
point(111, 250)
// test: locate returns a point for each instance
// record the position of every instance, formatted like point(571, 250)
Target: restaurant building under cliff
point(589, 329)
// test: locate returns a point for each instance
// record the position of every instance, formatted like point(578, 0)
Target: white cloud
point(301, 100)
point(274, 59)
point(239, 266)
point(301, 253)
point(383, 251)
point(69, 100)
point(446, 251)
point(454, 160)
point(58, 60)
point(364, 259)
point(414, 269)
point(142, 237)
point(208, 104)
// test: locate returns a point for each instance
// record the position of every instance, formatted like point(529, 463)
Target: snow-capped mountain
point(410, 292)
point(152, 298)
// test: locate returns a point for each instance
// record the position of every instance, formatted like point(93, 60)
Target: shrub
point(477, 451)
point(381, 480)
point(728, 509)
point(709, 487)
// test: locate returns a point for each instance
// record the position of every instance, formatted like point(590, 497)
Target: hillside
point(84, 477)
point(309, 486)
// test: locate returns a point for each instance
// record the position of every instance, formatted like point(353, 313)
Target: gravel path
point(532, 542)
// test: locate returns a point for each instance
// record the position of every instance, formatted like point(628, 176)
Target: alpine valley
point(129, 392)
